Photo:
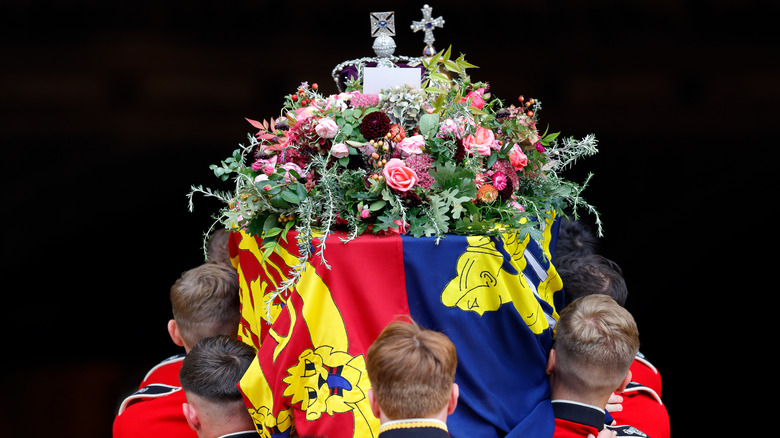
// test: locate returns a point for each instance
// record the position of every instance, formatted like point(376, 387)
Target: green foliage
point(323, 184)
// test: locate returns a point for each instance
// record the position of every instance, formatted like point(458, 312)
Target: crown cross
point(427, 24)
point(382, 23)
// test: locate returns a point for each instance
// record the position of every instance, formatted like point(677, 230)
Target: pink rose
point(287, 168)
point(398, 176)
point(339, 150)
point(403, 227)
point(266, 166)
point(365, 213)
point(411, 145)
point(475, 98)
point(326, 128)
point(481, 141)
point(517, 157)
point(449, 127)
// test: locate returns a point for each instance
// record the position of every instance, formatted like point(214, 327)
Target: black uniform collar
point(581, 413)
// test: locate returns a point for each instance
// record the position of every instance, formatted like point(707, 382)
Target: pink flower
point(448, 127)
point(360, 100)
point(303, 113)
point(287, 168)
point(326, 128)
point(266, 166)
point(481, 142)
point(339, 150)
point(517, 157)
point(365, 213)
point(403, 227)
point(411, 145)
point(398, 176)
point(475, 98)
point(517, 206)
point(499, 180)
point(421, 164)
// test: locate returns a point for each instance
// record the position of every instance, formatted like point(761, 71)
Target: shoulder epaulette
point(175, 358)
point(634, 387)
point(627, 431)
point(641, 358)
point(154, 390)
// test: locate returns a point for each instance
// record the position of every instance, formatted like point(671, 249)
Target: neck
point(561, 393)
point(236, 424)
point(439, 416)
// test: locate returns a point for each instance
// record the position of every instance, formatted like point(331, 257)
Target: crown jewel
point(427, 24)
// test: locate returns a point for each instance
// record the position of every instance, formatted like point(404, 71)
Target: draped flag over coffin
point(495, 297)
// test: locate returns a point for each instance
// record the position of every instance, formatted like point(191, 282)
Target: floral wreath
point(445, 158)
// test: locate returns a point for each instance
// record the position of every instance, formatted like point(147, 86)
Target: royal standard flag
point(495, 297)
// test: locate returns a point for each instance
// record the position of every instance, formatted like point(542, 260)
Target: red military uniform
point(577, 420)
point(642, 405)
point(156, 408)
point(643, 409)
point(642, 371)
point(165, 372)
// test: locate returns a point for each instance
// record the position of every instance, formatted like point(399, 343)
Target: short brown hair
point(596, 342)
point(217, 247)
point(411, 370)
point(213, 368)
point(205, 302)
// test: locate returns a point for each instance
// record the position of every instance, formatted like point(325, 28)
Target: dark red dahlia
point(375, 125)
point(505, 194)
point(410, 198)
point(460, 152)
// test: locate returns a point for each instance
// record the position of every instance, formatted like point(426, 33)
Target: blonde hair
point(596, 342)
point(205, 302)
point(411, 370)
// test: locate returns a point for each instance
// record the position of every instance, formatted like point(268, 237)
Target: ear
point(374, 405)
point(453, 403)
point(625, 382)
point(550, 362)
point(191, 414)
point(173, 330)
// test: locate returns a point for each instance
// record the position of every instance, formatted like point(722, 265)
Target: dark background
point(112, 110)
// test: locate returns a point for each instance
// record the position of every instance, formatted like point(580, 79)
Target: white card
point(376, 79)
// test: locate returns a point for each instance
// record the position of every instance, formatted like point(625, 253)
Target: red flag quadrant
point(494, 297)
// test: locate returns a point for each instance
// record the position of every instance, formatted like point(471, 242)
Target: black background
point(112, 110)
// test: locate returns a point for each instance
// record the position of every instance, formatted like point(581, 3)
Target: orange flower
point(487, 193)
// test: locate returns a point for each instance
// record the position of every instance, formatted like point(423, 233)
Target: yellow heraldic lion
point(483, 284)
point(326, 379)
point(272, 426)
point(254, 311)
